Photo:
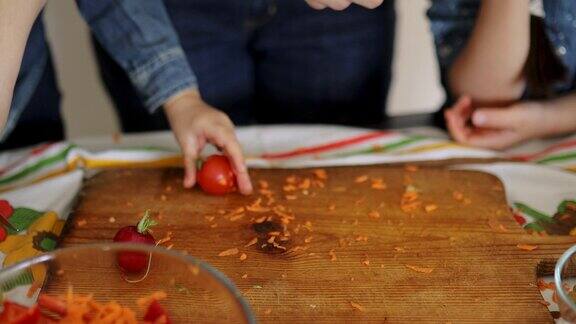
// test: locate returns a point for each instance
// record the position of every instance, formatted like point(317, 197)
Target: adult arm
point(16, 20)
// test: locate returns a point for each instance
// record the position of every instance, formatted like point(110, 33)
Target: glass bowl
point(196, 292)
point(565, 280)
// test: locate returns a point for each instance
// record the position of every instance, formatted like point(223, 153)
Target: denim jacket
point(452, 21)
point(138, 34)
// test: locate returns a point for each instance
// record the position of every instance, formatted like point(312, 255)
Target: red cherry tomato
point(216, 176)
point(6, 209)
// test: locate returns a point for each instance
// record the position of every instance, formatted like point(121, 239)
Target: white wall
point(87, 110)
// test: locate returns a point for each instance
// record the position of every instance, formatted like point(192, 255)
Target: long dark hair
point(543, 68)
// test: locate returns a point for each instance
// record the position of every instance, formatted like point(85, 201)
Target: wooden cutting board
point(352, 254)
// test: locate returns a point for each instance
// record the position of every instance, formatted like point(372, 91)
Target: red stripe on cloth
point(327, 146)
point(548, 150)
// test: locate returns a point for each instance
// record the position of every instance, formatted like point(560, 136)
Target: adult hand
point(497, 128)
point(342, 4)
point(194, 124)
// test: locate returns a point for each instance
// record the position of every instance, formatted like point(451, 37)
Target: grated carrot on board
point(430, 208)
point(320, 174)
point(260, 220)
point(361, 179)
point(526, 247)
point(263, 184)
point(229, 252)
point(243, 256)
point(244, 276)
point(411, 168)
point(357, 306)
point(252, 242)
point(419, 269)
point(457, 195)
point(331, 207)
point(332, 255)
point(374, 214)
point(81, 222)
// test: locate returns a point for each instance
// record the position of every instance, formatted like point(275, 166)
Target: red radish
point(134, 262)
point(155, 312)
point(6, 209)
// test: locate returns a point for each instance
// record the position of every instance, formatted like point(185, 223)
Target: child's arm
point(194, 124)
point(16, 20)
point(499, 128)
point(490, 66)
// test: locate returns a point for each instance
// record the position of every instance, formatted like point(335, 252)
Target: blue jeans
point(265, 61)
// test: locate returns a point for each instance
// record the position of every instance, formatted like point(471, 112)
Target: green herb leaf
point(146, 223)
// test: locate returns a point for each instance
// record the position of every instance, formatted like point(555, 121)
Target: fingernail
point(479, 118)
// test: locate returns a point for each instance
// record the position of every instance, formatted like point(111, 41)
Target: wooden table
point(354, 252)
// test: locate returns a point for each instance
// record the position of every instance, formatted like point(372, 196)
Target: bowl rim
point(220, 277)
point(558, 277)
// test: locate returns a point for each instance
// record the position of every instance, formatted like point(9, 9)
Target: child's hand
point(496, 128)
point(194, 124)
point(342, 4)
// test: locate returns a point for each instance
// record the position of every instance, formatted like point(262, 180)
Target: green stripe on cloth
point(384, 148)
point(523, 208)
point(40, 164)
point(558, 158)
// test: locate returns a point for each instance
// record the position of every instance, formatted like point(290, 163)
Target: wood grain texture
point(479, 274)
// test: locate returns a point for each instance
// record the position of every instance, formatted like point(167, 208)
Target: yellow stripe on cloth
point(175, 161)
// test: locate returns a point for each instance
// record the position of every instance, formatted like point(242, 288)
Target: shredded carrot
point(165, 239)
point(496, 226)
point(112, 219)
point(308, 226)
point(430, 208)
point(263, 184)
point(361, 238)
point(252, 242)
point(378, 185)
point(221, 211)
point(163, 198)
point(419, 269)
point(331, 207)
point(291, 197)
point(357, 306)
point(457, 195)
point(168, 188)
point(374, 214)
point(291, 179)
point(399, 249)
point(229, 252)
point(411, 168)
point(260, 220)
point(361, 179)
point(308, 239)
point(214, 225)
point(332, 255)
point(527, 247)
point(305, 184)
point(81, 222)
point(243, 256)
point(236, 217)
point(244, 276)
point(271, 239)
point(320, 174)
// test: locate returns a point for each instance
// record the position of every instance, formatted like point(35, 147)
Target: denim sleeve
point(138, 34)
point(451, 23)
